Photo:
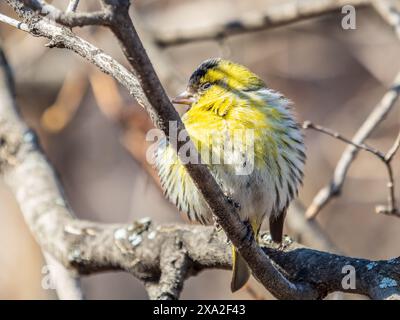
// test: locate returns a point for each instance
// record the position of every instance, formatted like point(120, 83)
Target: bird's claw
point(286, 242)
point(281, 246)
point(233, 202)
point(249, 232)
point(217, 226)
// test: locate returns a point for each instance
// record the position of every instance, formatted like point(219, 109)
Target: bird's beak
point(186, 97)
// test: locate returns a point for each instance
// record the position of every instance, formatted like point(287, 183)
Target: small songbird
point(248, 137)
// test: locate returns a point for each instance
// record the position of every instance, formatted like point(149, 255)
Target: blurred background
point(93, 131)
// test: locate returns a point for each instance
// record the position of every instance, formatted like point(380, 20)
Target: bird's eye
point(205, 86)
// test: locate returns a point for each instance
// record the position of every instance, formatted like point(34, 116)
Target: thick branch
point(15, 141)
point(67, 285)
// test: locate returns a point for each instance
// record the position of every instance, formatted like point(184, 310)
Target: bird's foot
point(217, 226)
point(233, 202)
point(286, 242)
point(249, 232)
point(281, 246)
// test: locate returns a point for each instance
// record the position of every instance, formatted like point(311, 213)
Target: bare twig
point(275, 16)
point(69, 18)
point(12, 133)
point(72, 6)
point(14, 23)
point(164, 66)
point(67, 284)
point(392, 17)
point(386, 159)
point(389, 13)
point(391, 208)
point(337, 135)
point(392, 151)
point(379, 113)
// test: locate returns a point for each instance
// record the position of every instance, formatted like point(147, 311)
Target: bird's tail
point(240, 269)
point(241, 272)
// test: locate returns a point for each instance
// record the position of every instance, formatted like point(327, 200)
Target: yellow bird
point(248, 137)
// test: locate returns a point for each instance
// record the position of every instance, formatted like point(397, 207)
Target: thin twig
point(389, 13)
point(337, 135)
point(391, 208)
point(274, 16)
point(66, 284)
point(14, 23)
point(68, 18)
point(386, 159)
point(378, 114)
point(72, 6)
point(392, 151)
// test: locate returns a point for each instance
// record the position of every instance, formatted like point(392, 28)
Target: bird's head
point(217, 77)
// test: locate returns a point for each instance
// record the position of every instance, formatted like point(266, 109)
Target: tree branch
point(14, 23)
point(69, 18)
point(392, 16)
point(377, 115)
point(67, 284)
point(12, 135)
point(72, 6)
point(389, 13)
point(273, 17)
point(390, 208)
